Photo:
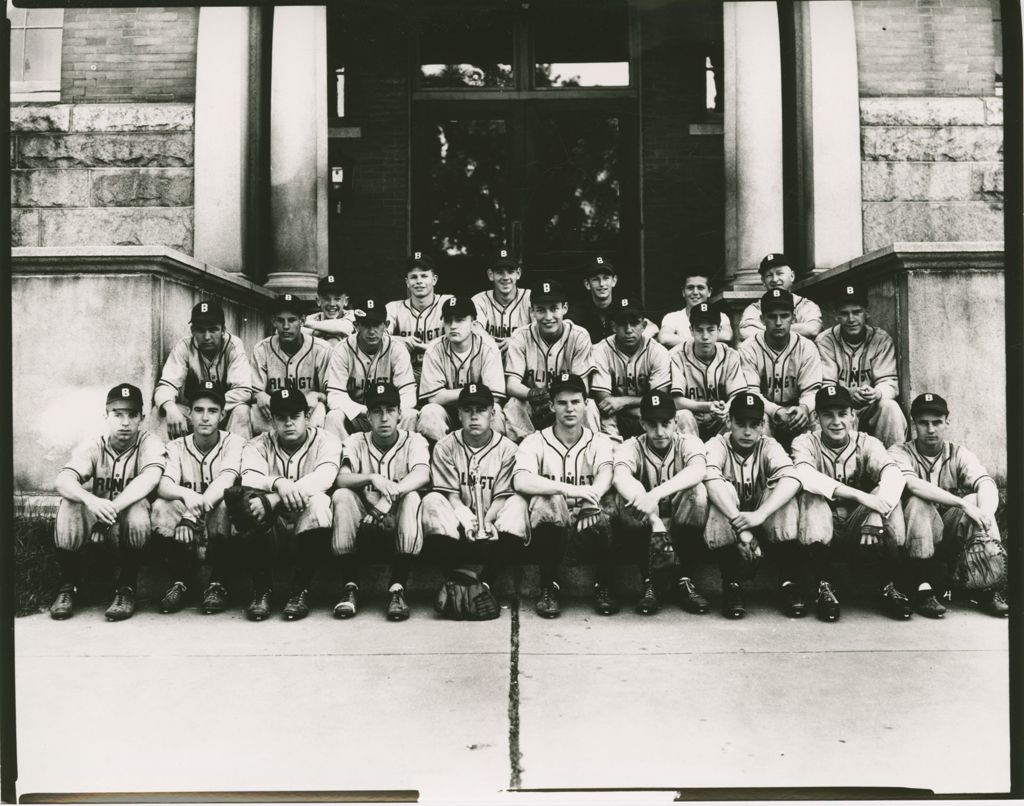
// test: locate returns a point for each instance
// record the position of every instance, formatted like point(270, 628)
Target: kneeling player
point(852, 492)
point(292, 467)
point(190, 513)
point(378, 494)
point(658, 476)
point(124, 467)
point(752, 487)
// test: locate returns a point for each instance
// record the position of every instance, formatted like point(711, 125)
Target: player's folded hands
point(184, 532)
point(875, 504)
point(586, 494)
point(466, 519)
point(103, 510)
point(746, 521)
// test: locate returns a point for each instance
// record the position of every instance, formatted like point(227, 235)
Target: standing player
point(290, 360)
point(675, 326)
point(785, 367)
point(294, 465)
point(381, 475)
point(506, 307)
point(124, 466)
point(628, 365)
point(333, 322)
point(368, 357)
point(863, 359)
point(594, 311)
point(706, 375)
point(416, 320)
point(190, 512)
point(459, 357)
point(536, 354)
point(949, 498)
point(851, 491)
point(209, 354)
point(659, 480)
point(776, 273)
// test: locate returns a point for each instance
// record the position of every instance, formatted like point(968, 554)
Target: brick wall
point(129, 54)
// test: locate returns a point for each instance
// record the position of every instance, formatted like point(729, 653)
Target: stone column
point(298, 148)
point(221, 136)
point(753, 137)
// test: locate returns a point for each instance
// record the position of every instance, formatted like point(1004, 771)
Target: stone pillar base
point(293, 282)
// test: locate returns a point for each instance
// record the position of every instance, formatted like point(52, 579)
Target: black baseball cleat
point(793, 604)
point(604, 604)
point(349, 602)
point(174, 599)
point(927, 605)
point(732, 601)
point(259, 607)
point(895, 604)
point(547, 604)
point(690, 600)
point(827, 603)
point(397, 609)
point(123, 605)
point(64, 603)
point(994, 603)
point(215, 599)
point(648, 604)
point(297, 606)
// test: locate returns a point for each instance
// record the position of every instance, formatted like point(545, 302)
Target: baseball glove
point(236, 501)
point(981, 564)
point(540, 408)
point(749, 555)
point(662, 555)
point(463, 597)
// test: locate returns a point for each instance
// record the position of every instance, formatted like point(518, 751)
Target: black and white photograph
point(576, 401)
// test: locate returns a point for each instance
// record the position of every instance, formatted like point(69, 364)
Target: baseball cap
point(331, 284)
point(928, 403)
point(851, 294)
point(776, 298)
point(289, 303)
point(207, 313)
point(125, 393)
point(287, 401)
point(832, 396)
point(704, 314)
point(475, 394)
point(747, 404)
point(567, 382)
point(370, 309)
point(208, 389)
point(626, 308)
point(548, 291)
point(598, 265)
point(657, 405)
point(504, 260)
point(772, 260)
point(382, 394)
point(419, 260)
point(457, 308)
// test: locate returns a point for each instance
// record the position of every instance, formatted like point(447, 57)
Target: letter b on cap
point(546, 287)
point(125, 391)
point(380, 388)
point(600, 261)
point(750, 400)
point(472, 388)
point(369, 304)
point(204, 308)
point(849, 289)
point(928, 397)
point(655, 400)
point(284, 394)
point(417, 255)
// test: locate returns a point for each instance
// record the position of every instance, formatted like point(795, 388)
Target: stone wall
point(102, 174)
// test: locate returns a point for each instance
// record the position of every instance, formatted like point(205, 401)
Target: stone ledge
point(951, 111)
point(117, 150)
point(131, 117)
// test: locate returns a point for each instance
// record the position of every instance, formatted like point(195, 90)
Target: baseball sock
point(684, 541)
point(790, 559)
point(818, 562)
point(129, 560)
point(179, 558)
point(643, 559)
point(217, 556)
point(728, 561)
point(443, 551)
point(348, 568)
point(548, 540)
point(309, 548)
point(70, 563)
point(400, 567)
point(258, 548)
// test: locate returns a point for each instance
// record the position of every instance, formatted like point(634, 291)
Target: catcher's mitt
point(981, 564)
point(236, 501)
point(749, 555)
point(662, 554)
point(464, 597)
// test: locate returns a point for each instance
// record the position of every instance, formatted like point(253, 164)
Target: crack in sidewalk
point(515, 756)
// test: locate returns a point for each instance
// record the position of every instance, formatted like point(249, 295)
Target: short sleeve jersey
point(347, 321)
point(360, 455)
point(307, 370)
point(620, 374)
point(425, 325)
point(533, 361)
point(956, 470)
point(651, 469)
point(752, 474)
point(804, 311)
point(859, 464)
point(264, 460)
point(186, 365)
point(110, 470)
point(353, 371)
point(543, 454)
point(501, 321)
point(443, 368)
point(872, 362)
point(782, 377)
point(195, 470)
point(456, 467)
point(719, 379)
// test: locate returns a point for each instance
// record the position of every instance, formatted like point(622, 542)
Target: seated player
point(659, 478)
point(752, 487)
point(628, 365)
point(784, 367)
point(378, 496)
point(776, 273)
point(850, 500)
point(366, 358)
point(104, 489)
point(505, 307)
point(416, 320)
point(675, 326)
point(863, 359)
point(563, 475)
point(190, 513)
point(536, 354)
point(593, 312)
point(209, 354)
point(455, 359)
point(706, 375)
point(949, 498)
point(294, 465)
point(289, 360)
point(333, 322)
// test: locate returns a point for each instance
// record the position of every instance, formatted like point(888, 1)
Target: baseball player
point(209, 354)
point(659, 478)
point(104, 490)
point(706, 375)
point(627, 365)
point(949, 497)
point(776, 273)
point(851, 500)
point(458, 357)
point(333, 322)
point(366, 358)
point(863, 359)
point(190, 513)
point(294, 466)
point(594, 311)
point(505, 307)
point(752, 486)
point(675, 326)
point(784, 366)
point(563, 475)
point(381, 475)
point(536, 354)
point(289, 360)
point(416, 320)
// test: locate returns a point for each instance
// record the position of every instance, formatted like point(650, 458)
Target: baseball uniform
point(716, 380)
point(618, 373)
point(501, 321)
point(785, 378)
point(424, 326)
point(347, 321)
point(687, 508)
point(804, 312)
point(679, 322)
point(307, 370)
point(598, 322)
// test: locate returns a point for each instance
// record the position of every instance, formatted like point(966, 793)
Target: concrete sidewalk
point(186, 702)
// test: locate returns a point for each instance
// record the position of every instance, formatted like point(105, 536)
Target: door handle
point(517, 240)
